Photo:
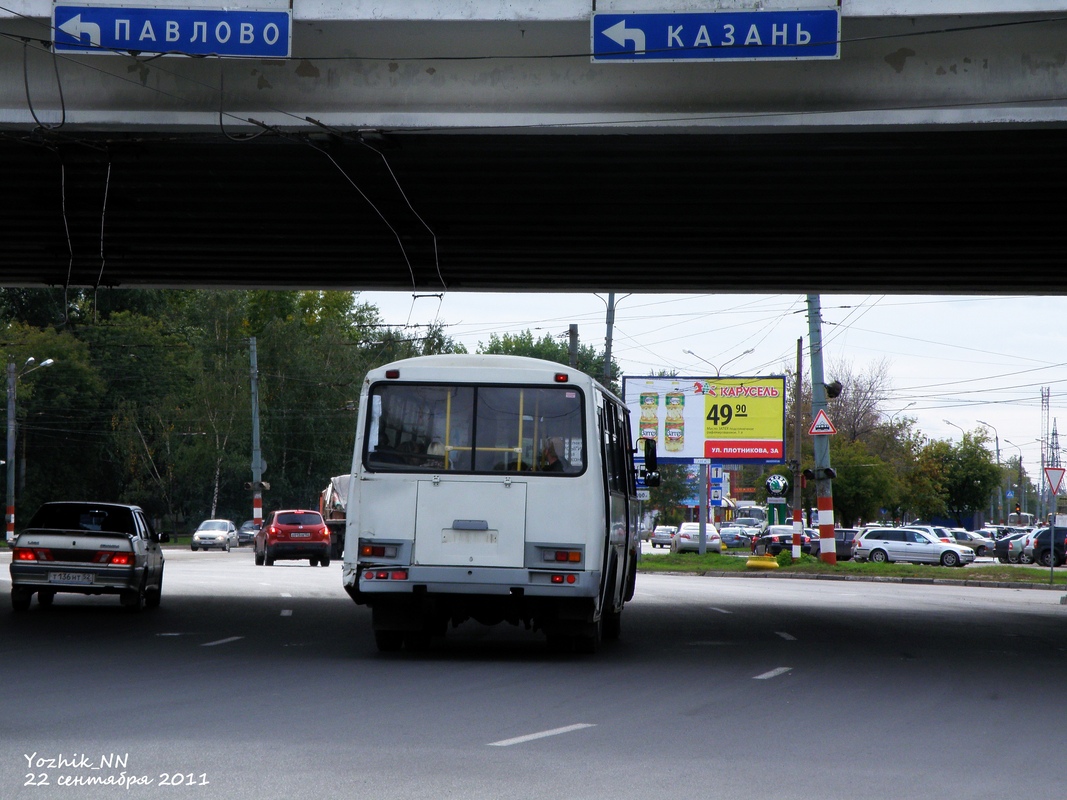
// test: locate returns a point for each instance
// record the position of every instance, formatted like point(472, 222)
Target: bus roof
point(500, 364)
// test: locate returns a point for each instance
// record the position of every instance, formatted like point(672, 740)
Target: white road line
point(720, 610)
point(222, 641)
point(543, 734)
point(786, 636)
point(774, 673)
point(287, 612)
point(286, 594)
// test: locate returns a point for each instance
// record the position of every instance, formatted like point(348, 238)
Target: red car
point(293, 534)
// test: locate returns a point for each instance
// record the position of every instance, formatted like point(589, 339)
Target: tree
point(590, 361)
point(864, 483)
point(668, 499)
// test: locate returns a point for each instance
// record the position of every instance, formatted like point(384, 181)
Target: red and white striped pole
point(821, 444)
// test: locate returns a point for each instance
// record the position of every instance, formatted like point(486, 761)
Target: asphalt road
point(264, 682)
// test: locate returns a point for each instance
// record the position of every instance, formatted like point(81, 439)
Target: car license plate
point(300, 535)
point(70, 577)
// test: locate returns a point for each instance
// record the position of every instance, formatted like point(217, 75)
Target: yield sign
point(1054, 476)
point(821, 425)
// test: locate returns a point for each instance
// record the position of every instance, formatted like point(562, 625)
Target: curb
point(771, 575)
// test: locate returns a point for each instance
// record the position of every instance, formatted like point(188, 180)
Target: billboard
point(725, 419)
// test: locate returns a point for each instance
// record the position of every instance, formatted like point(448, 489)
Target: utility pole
point(798, 414)
point(257, 456)
point(607, 339)
point(823, 473)
point(573, 346)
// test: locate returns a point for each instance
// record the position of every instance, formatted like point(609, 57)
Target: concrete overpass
point(474, 144)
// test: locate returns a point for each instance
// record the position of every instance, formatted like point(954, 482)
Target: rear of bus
point(478, 492)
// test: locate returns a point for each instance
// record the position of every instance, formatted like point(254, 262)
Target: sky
point(951, 360)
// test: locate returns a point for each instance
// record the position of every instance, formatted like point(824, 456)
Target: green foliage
point(589, 360)
point(149, 399)
point(784, 558)
point(676, 486)
point(864, 483)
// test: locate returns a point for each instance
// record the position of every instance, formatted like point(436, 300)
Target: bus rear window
point(474, 429)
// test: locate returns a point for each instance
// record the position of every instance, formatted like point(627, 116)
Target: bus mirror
point(651, 470)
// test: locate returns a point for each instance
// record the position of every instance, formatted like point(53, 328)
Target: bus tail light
point(378, 550)
point(566, 556)
point(568, 578)
point(386, 575)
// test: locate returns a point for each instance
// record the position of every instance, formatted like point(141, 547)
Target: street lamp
point(13, 375)
point(893, 416)
point(718, 369)
point(954, 425)
point(1000, 476)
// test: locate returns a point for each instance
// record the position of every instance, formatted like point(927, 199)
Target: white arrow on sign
point(620, 34)
point(75, 27)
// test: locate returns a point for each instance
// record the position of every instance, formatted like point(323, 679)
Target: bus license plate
point(70, 577)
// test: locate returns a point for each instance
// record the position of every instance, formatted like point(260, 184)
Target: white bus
point(494, 488)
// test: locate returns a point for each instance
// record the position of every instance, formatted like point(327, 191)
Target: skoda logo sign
point(777, 485)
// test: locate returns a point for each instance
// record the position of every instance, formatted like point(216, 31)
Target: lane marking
point(774, 673)
point(286, 594)
point(287, 612)
point(222, 641)
point(786, 636)
point(543, 734)
point(720, 610)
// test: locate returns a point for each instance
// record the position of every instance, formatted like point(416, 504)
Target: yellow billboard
point(731, 419)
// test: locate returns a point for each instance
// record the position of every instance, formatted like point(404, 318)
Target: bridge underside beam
point(918, 211)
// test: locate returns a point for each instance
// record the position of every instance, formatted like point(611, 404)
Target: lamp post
point(1000, 476)
point(1022, 486)
point(954, 425)
point(718, 369)
point(13, 375)
point(893, 416)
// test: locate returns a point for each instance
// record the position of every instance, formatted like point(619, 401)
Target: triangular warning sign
point(821, 425)
point(1054, 476)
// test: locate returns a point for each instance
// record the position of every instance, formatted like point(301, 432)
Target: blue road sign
point(717, 36)
point(185, 31)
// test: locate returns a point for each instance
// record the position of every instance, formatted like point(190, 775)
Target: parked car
point(982, 545)
point(87, 548)
point(935, 532)
point(843, 543)
point(246, 534)
point(1008, 548)
point(735, 536)
point(663, 535)
point(687, 540)
point(1038, 549)
point(215, 534)
point(908, 544)
point(780, 537)
point(293, 534)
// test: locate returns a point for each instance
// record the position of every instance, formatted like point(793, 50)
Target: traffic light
point(1018, 508)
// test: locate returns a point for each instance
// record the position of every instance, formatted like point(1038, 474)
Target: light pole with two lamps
point(1000, 475)
point(13, 374)
point(719, 369)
